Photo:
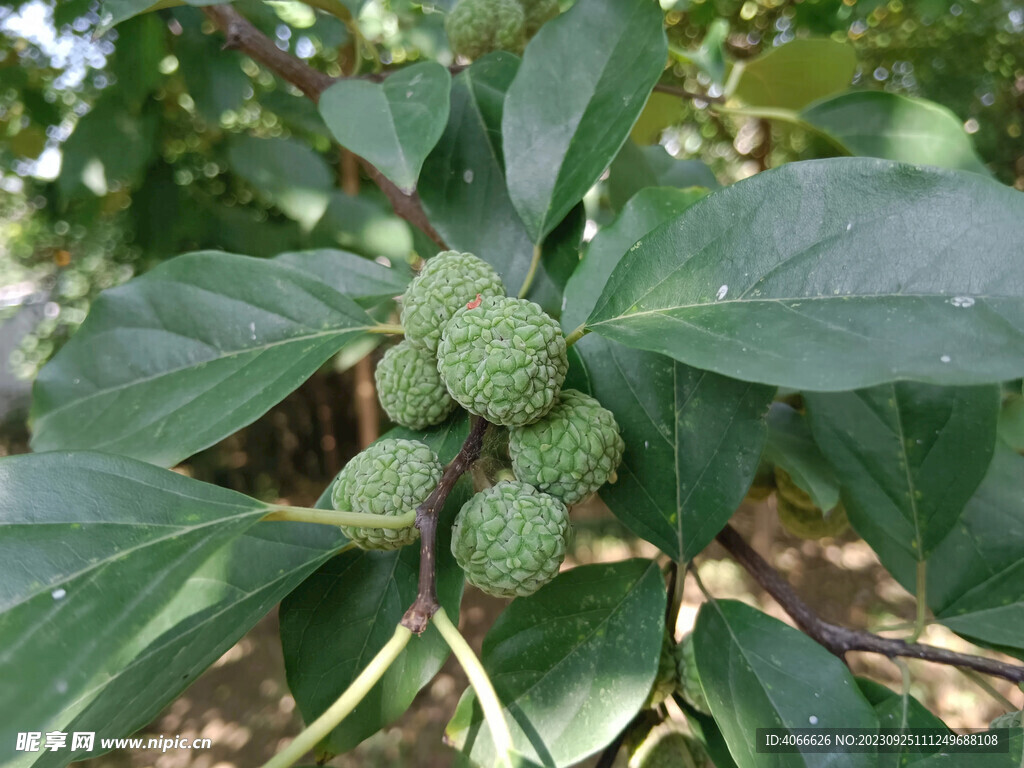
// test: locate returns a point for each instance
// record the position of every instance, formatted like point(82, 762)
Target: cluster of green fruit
point(504, 360)
point(477, 27)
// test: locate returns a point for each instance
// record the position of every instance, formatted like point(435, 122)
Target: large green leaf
point(218, 604)
point(647, 209)
point(976, 582)
point(582, 84)
point(106, 570)
point(894, 127)
point(791, 447)
point(571, 664)
point(393, 124)
point(351, 274)
point(832, 275)
point(908, 456)
point(183, 356)
point(760, 673)
point(693, 442)
point(797, 73)
point(462, 185)
point(286, 172)
point(976, 574)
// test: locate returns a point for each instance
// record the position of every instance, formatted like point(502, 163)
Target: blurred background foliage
point(122, 146)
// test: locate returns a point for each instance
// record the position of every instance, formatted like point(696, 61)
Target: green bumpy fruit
point(410, 388)
point(477, 27)
point(446, 283)
point(800, 516)
point(570, 452)
point(687, 677)
point(510, 539)
point(391, 477)
point(503, 359)
point(1008, 720)
point(538, 13)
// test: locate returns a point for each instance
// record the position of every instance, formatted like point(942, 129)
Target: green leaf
point(1011, 423)
point(220, 602)
point(894, 127)
point(286, 172)
point(705, 431)
point(115, 11)
point(760, 673)
point(660, 111)
point(582, 84)
point(797, 73)
point(902, 712)
point(637, 167)
point(832, 275)
point(976, 575)
point(791, 446)
point(647, 209)
point(571, 664)
point(111, 144)
point(338, 619)
point(393, 124)
point(693, 443)
point(462, 185)
point(351, 274)
point(908, 456)
point(99, 555)
point(145, 379)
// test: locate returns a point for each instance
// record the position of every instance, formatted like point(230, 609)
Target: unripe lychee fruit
point(444, 285)
point(503, 359)
point(667, 748)
point(410, 388)
point(477, 27)
point(687, 677)
point(510, 539)
point(391, 477)
point(571, 451)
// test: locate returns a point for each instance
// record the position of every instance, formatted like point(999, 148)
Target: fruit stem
point(391, 328)
point(576, 335)
point(922, 602)
point(528, 280)
point(345, 703)
point(336, 517)
point(481, 683)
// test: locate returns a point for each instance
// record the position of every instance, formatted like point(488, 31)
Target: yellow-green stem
point(348, 701)
point(528, 280)
point(905, 676)
point(333, 7)
point(576, 335)
point(485, 694)
point(337, 517)
point(391, 328)
point(922, 601)
point(988, 688)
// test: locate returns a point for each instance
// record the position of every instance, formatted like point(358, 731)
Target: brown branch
point(426, 604)
point(241, 35)
point(840, 640)
point(683, 93)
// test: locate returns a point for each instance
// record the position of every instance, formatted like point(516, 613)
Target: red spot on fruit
point(475, 302)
